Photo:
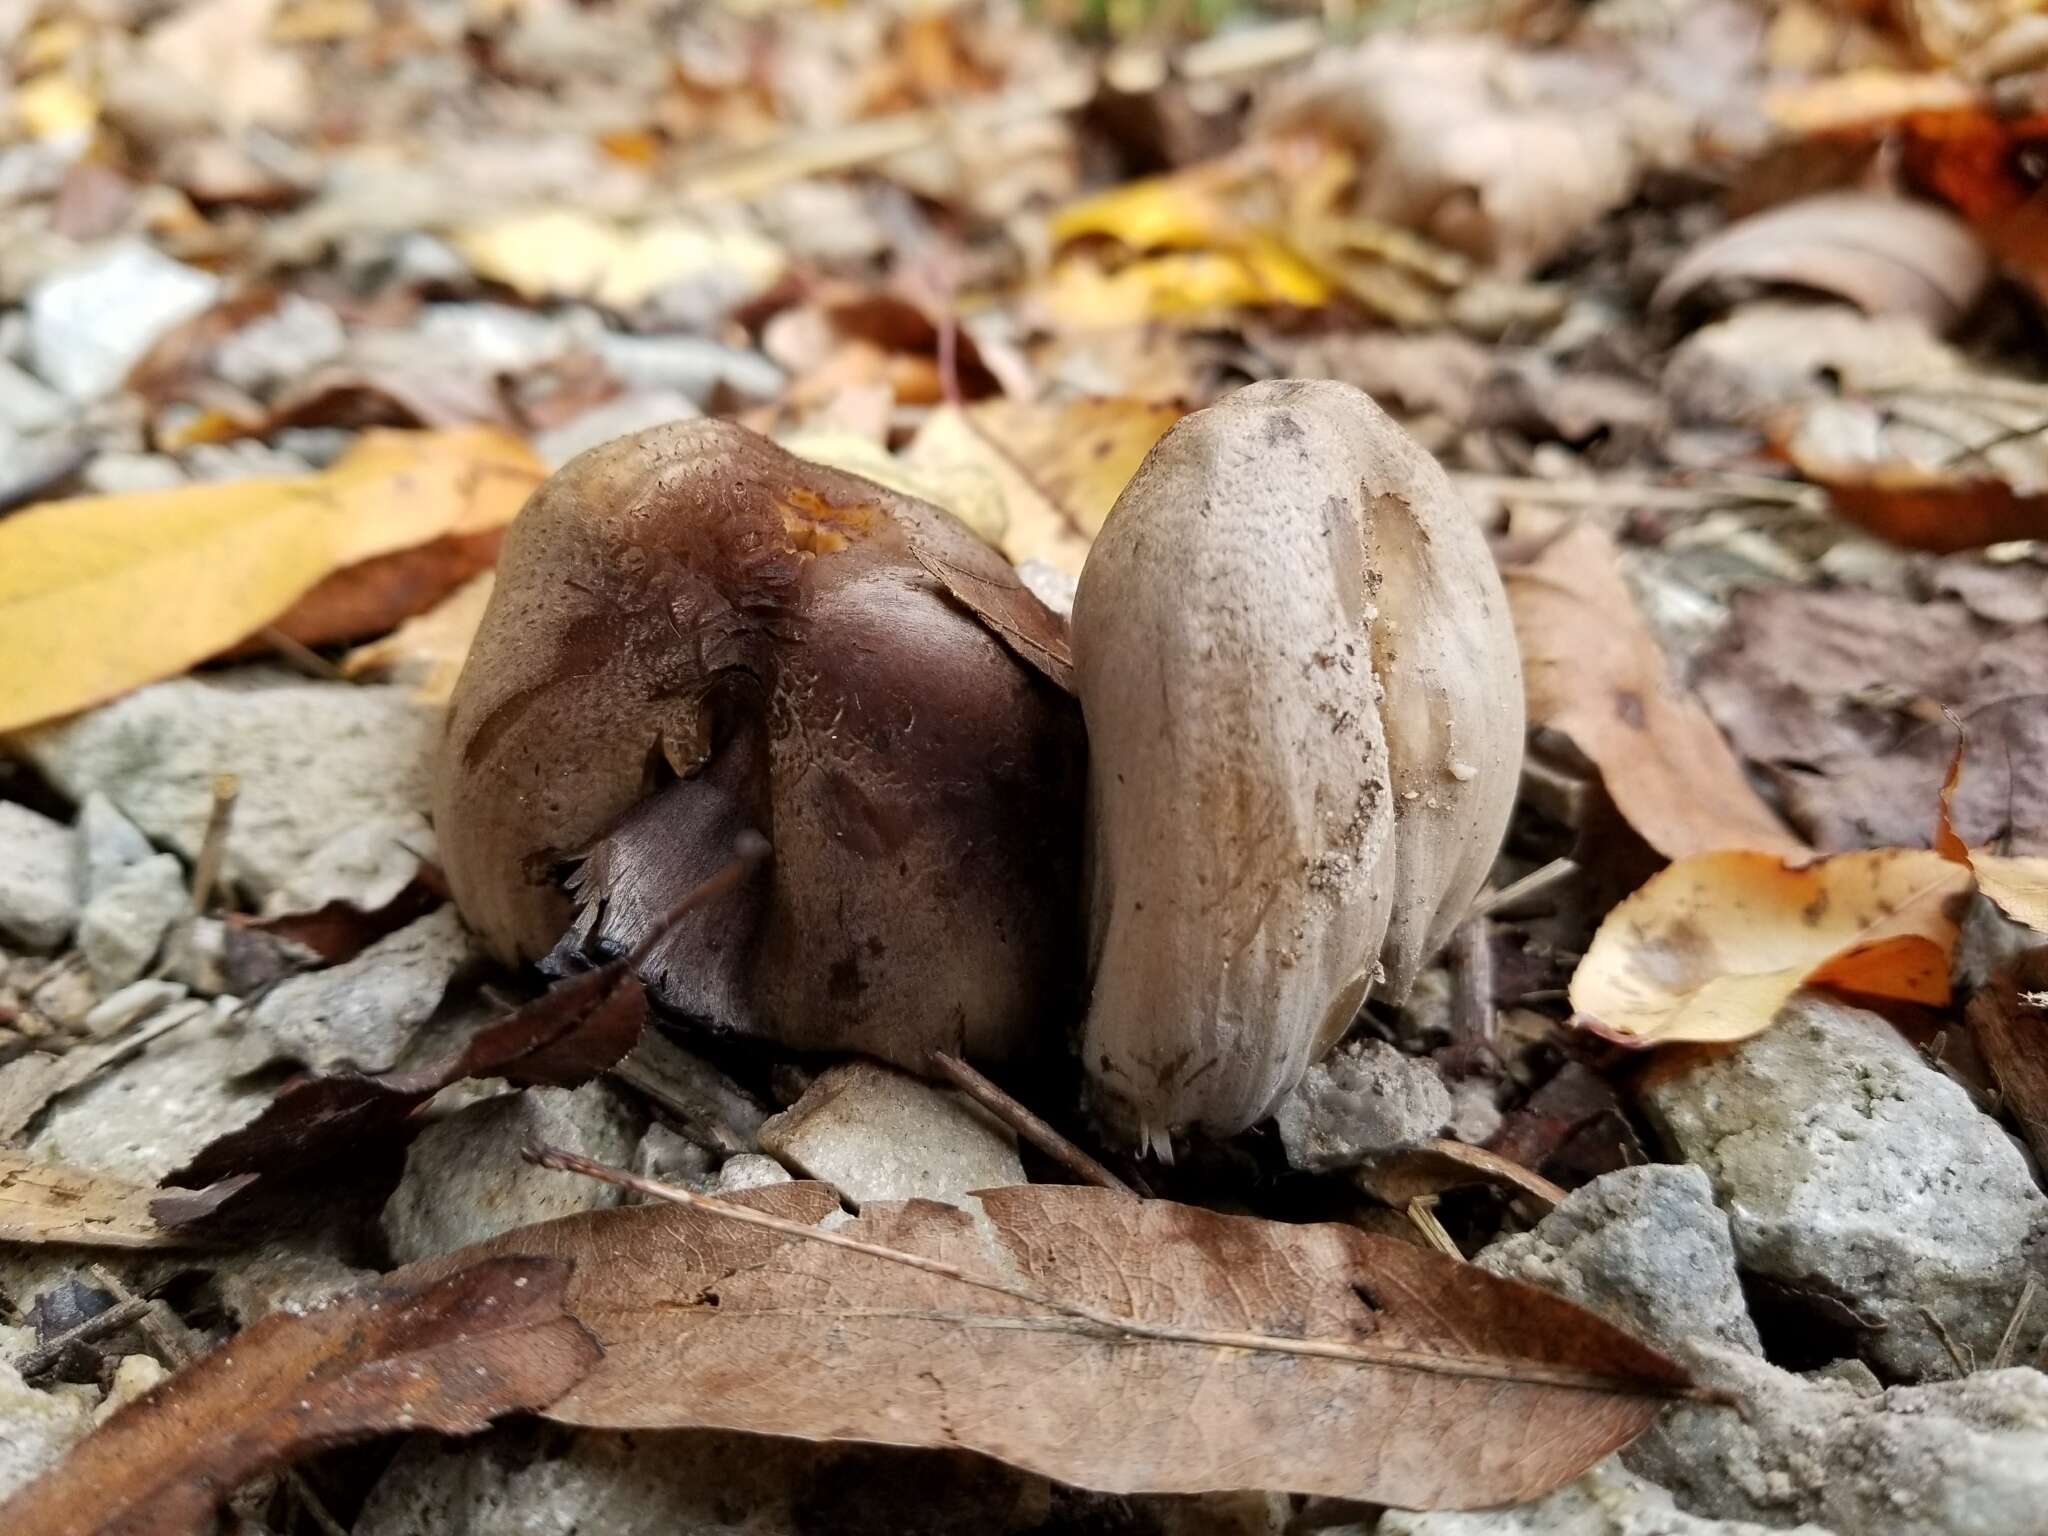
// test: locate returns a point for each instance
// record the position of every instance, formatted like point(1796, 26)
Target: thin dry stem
point(213, 844)
point(1026, 1124)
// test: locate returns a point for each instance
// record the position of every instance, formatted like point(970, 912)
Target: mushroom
point(694, 634)
point(1304, 712)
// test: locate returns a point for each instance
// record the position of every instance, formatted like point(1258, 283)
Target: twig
point(100, 1324)
point(1964, 1365)
point(1125, 1327)
point(301, 657)
point(1026, 1124)
point(1632, 495)
point(213, 844)
point(1515, 892)
point(1422, 1212)
point(1472, 1013)
point(2009, 1341)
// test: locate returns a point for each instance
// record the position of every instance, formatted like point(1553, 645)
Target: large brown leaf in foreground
point(449, 1354)
point(1308, 1358)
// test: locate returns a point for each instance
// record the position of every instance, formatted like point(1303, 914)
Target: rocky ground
point(234, 237)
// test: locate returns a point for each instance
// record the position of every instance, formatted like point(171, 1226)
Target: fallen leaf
point(1886, 255)
point(1217, 1352)
point(212, 564)
point(1199, 243)
point(565, 253)
point(1430, 1168)
point(448, 1354)
point(2009, 1023)
point(426, 652)
point(1079, 453)
point(576, 1029)
point(1503, 154)
point(48, 1203)
point(1979, 161)
point(1593, 670)
point(948, 449)
point(1859, 98)
point(2017, 886)
point(1711, 948)
point(1840, 695)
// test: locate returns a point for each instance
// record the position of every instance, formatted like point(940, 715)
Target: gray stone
point(1475, 1117)
point(1362, 1100)
point(91, 323)
point(26, 405)
point(750, 1170)
point(465, 1178)
point(634, 411)
point(366, 867)
point(1050, 585)
point(243, 459)
point(38, 877)
point(1853, 1171)
point(121, 929)
point(671, 1158)
point(695, 367)
point(713, 1110)
point(283, 346)
point(531, 1480)
point(282, 1275)
point(313, 760)
point(1953, 1458)
point(1607, 1501)
point(878, 1134)
point(359, 1015)
point(120, 474)
point(36, 1428)
point(153, 1112)
point(134, 1002)
point(109, 844)
point(1647, 1249)
point(196, 953)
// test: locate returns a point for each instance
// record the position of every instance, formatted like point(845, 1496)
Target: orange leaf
point(1714, 946)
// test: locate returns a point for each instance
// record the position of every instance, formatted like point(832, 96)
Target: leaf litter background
point(1725, 318)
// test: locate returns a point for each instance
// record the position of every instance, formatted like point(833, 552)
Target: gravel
point(1361, 1101)
point(38, 878)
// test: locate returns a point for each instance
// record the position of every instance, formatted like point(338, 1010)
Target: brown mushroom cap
point(693, 633)
point(1304, 713)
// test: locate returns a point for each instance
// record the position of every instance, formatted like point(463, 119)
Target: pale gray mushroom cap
point(1304, 711)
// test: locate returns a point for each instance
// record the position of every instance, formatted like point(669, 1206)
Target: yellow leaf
point(949, 448)
point(973, 500)
point(426, 652)
point(562, 252)
point(1080, 453)
point(54, 107)
point(1712, 947)
point(103, 594)
point(1160, 213)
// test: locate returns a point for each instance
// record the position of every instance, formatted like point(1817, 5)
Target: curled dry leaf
point(212, 564)
point(694, 633)
point(1166, 1349)
point(47, 1203)
point(1594, 671)
point(2017, 885)
point(578, 1028)
point(449, 1353)
point(1499, 153)
point(1711, 948)
point(1886, 255)
point(427, 651)
point(1290, 637)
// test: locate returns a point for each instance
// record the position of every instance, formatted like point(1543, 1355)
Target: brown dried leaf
point(1593, 669)
point(576, 1029)
point(1885, 255)
point(47, 1203)
point(1079, 453)
point(449, 1353)
point(1432, 1167)
point(2009, 1024)
point(1252, 1354)
point(1714, 946)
